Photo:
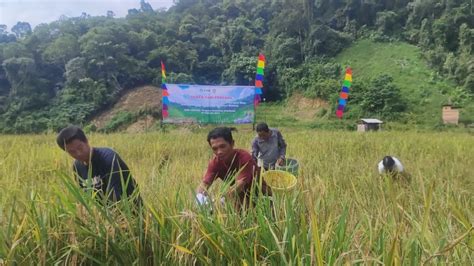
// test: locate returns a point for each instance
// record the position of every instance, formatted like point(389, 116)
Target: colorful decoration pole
point(259, 79)
point(164, 92)
point(344, 95)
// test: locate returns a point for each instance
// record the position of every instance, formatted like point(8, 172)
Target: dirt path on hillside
point(141, 98)
point(305, 108)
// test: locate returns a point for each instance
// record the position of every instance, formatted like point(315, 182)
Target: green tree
point(425, 38)
point(21, 73)
point(21, 29)
point(29, 90)
point(15, 49)
point(5, 36)
point(450, 64)
point(469, 83)
point(241, 70)
point(75, 70)
point(61, 50)
point(381, 97)
point(145, 7)
point(466, 39)
point(388, 22)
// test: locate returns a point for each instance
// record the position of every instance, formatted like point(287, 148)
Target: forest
point(67, 71)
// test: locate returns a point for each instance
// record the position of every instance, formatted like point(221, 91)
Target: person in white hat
point(392, 166)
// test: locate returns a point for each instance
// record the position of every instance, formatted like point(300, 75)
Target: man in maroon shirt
point(235, 166)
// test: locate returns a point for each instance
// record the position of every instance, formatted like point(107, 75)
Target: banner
point(209, 104)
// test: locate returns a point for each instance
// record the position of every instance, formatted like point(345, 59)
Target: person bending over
point(100, 169)
point(232, 165)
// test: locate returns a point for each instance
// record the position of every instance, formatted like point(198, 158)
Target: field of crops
point(341, 210)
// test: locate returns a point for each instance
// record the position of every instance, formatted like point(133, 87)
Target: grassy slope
point(419, 84)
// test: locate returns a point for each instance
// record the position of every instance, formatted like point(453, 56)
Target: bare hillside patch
point(304, 108)
point(140, 98)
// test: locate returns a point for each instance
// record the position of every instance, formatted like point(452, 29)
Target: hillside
point(139, 103)
point(67, 71)
point(424, 89)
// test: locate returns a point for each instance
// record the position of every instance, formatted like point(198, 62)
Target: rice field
point(341, 211)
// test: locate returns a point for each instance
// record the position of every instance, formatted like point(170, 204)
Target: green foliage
point(21, 29)
point(75, 70)
point(241, 70)
point(327, 41)
point(388, 22)
point(315, 79)
point(469, 84)
point(466, 115)
point(85, 91)
point(120, 119)
point(422, 89)
point(466, 39)
point(89, 61)
point(72, 113)
point(21, 73)
point(177, 78)
point(460, 97)
point(380, 98)
point(14, 49)
point(61, 50)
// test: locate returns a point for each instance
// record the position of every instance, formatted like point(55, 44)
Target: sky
point(45, 11)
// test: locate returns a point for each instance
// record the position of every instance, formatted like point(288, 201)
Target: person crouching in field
point(101, 169)
point(268, 146)
point(235, 166)
point(391, 166)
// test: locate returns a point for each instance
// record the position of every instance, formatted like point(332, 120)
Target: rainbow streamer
point(259, 79)
point(164, 92)
point(344, 95)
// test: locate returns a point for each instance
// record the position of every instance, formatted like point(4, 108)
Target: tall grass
point(341, 211)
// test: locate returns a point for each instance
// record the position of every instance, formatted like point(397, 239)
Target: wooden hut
point(450, 114)
point(369, 124)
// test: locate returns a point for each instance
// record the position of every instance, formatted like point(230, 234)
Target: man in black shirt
point(101, 169)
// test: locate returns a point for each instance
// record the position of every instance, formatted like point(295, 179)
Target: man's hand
point(202, 188)
point(280, 161)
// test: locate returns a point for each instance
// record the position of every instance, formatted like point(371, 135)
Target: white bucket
point(290, 165)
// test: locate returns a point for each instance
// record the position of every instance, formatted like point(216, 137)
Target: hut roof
point(371, 121)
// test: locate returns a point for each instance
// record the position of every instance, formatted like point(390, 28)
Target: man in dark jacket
point(100, 169)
